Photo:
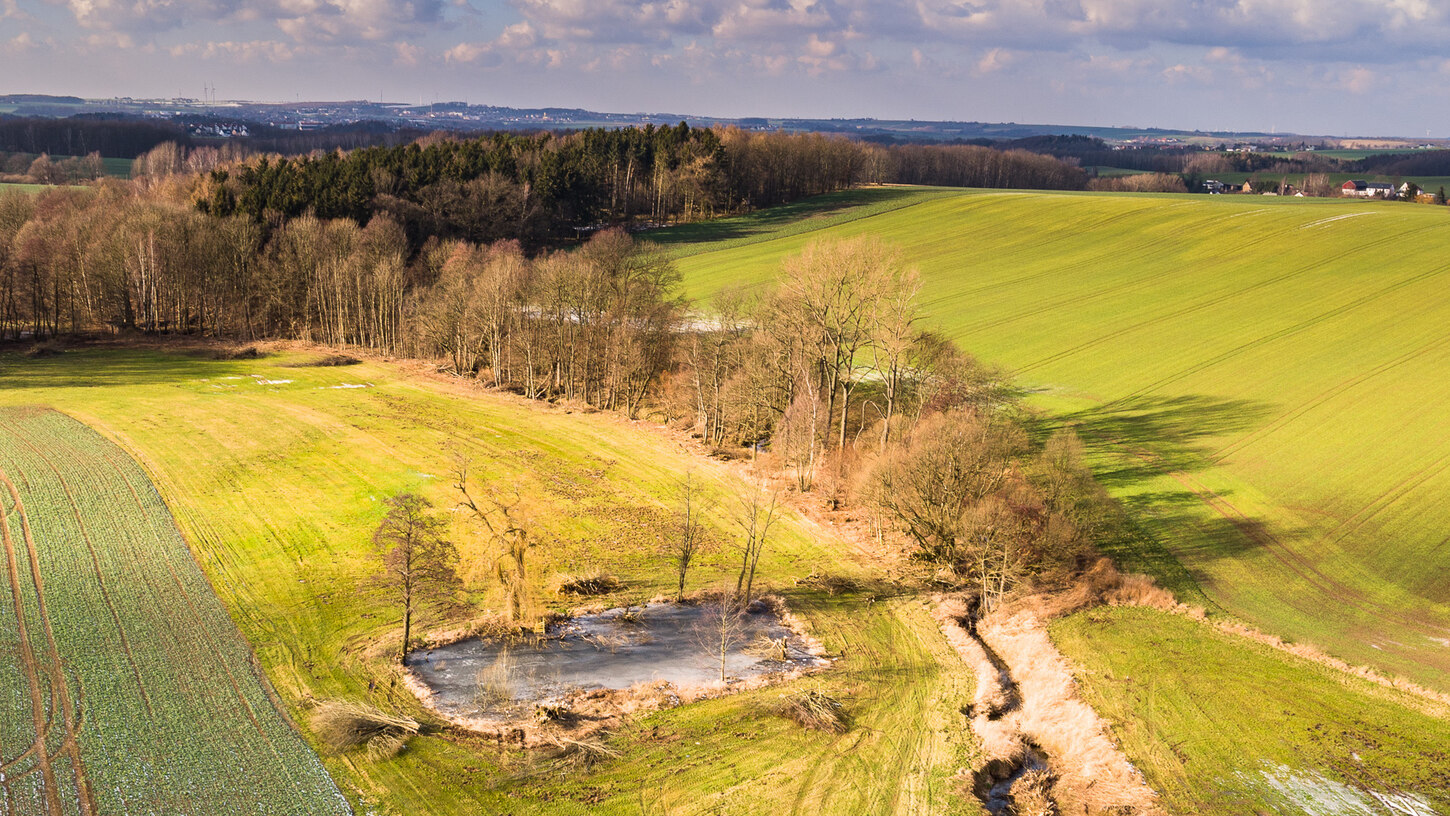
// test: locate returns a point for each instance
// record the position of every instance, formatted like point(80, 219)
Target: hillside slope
point(1262, 381)
point(276, 469)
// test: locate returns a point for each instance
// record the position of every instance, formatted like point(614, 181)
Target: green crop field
point(125, 688)
point(1261, 381)
point(276, 471)
point(1225, 727)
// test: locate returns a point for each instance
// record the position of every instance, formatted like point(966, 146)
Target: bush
point(330, 360)
point(233, 353)
point(43, 350)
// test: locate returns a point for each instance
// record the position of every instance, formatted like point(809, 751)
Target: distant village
point(1354, 188)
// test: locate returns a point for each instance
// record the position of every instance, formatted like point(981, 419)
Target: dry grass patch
point(494, 684)
point(594, 582)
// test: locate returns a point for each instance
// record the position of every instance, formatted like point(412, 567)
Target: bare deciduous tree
point(722, 629)
point(501, 515)
point(417, 559)
point(690, 507)
point(759, 511)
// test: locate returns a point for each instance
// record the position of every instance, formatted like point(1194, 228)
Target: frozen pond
point(669, 643)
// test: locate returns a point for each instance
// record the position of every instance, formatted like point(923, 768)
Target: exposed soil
point(1043, 751)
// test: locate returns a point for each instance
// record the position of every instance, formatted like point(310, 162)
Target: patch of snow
point(1324, 222)
point(349, 385)
point(264, 381)
point(1314, 794)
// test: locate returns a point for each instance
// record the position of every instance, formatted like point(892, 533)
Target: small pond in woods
point(676, 643)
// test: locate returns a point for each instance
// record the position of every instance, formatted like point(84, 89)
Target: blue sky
point(1334, 67)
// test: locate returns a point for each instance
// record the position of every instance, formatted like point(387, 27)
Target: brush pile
point(347, 726)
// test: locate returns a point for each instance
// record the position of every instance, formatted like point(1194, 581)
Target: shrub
point(328, 361)
point(43, 350)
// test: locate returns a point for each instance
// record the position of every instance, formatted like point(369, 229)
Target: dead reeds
point(493, 686)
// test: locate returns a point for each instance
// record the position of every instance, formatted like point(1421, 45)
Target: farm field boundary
point(131, 691)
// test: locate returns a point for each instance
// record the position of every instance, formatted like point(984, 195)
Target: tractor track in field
point(202, 628)
point(1110, 252)
point(1327, 395)
point(1282, 552)
point(1186, 271)
point(1212, 300)
point(1386, 499)
point(207, 635)
point(1287, 331)
point(95, 565)
point(1286, 555)
point(41, 719)
point(70, 719)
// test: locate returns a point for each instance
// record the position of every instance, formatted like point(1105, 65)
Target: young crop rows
point(124, 686)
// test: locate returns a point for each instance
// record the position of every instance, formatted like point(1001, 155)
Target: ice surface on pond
point(670, 643)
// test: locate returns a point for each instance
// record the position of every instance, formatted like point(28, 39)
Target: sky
point(1323, 67)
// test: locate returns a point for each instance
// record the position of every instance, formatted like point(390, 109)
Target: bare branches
point(758, 512)
point(499, 512)
point(689, 509)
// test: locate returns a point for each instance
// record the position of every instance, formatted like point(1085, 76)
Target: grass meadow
point(276, 471)
point(1221, 726)
point(1261, 381)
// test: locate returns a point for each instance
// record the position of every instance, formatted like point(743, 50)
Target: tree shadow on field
point(776, 217)
point(1170, 523)
point(101, 368)
point(1154, 436)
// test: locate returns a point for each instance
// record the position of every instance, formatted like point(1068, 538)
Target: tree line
point(830, 378)
point(543, 187)
point(338, 247)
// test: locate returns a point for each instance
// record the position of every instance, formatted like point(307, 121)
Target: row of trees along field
point(538, 187)
point(339, 247)
point(23, 168)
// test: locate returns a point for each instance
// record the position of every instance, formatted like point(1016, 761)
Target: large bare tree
point(419, 562)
